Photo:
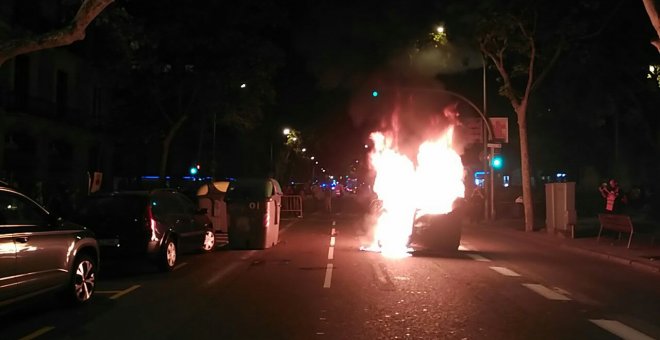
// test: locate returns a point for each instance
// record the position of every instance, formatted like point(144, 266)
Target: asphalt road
point(317, 284)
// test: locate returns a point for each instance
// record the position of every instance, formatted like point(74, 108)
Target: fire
point(429, 186)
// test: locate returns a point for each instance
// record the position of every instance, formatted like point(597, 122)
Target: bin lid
point(251, 189)
point(215, 188)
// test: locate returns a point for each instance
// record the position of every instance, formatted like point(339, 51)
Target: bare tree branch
point(67, 35)
point(649, 5)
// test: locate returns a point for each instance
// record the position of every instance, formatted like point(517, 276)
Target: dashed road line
point(222, 273)
point(546, 292)
point(505, 271)
point(332, 241)
point(331, 253)
point(328, 276)
point(180, 265)
point(379, 273)
point(478, 257)
point(38, 333)
point(248, 255)
point(124, 292)
point(621, 330)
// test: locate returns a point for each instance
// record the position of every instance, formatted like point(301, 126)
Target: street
point(317, 284)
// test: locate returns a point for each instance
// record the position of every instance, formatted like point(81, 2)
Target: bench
point(620, 223)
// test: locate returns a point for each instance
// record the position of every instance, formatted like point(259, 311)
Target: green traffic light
point(497, 162)
point(374, 93)
point(193, 170)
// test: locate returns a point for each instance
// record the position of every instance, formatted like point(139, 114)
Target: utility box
point(560, 214)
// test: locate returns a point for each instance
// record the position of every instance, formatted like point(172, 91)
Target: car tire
point(209, 241)
point(168, 255)
point(82, 282)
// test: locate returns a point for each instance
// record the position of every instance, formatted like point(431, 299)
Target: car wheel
point(209, 241)
point(168, 255)
point(82, 283)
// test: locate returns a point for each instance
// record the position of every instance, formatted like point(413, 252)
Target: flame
point(405, 189)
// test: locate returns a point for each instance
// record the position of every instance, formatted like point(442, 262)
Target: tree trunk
point(528, 201)
point(166, 146)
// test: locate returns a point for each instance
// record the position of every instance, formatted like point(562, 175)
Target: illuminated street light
point(312, 158)
point(244, 85)
point(366, 146)
point(651, 68)
point(317, 162)
point(304, 149)
point(440, 29)
point(286, 131)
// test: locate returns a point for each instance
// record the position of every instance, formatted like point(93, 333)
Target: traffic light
point(194, 169)
point(497, 162)
point(374, 93)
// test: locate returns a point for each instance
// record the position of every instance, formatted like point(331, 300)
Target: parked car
point(41, 253)
point(158, 224)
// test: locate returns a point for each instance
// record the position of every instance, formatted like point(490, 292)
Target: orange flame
point(407, 190)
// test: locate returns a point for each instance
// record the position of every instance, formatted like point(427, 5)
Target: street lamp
point(286, 131)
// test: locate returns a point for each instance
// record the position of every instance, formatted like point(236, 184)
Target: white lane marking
point(478, 257)
point(620, 330)
point(226, 270)
point(334, 222)
point(379, 273)
point(333, 232)
point(248, 255)
point(463, 248)
point(331, 253)
point(546, 292)
point(38, 333)
point(180, 265)
point(124, 292)
point(505, 271)
point(107, 291)
point(328, 276)
point(332, 241)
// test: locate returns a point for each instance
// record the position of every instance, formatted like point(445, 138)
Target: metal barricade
point(292, 203)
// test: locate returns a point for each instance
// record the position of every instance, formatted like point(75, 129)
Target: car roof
point(133, 192)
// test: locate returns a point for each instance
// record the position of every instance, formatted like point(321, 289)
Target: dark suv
point(39, 252)
point(157, 224)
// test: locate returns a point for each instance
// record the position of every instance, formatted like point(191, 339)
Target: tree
point(188, 66)
point(74, 31)
point(523, 41)
point(652, 11)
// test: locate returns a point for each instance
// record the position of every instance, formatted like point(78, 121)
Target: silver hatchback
point(40, 253)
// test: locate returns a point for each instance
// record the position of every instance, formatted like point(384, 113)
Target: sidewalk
point(642, 253)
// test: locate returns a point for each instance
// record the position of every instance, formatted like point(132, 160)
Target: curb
point(613, 258)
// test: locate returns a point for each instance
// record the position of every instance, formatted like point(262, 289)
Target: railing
point(292, 203)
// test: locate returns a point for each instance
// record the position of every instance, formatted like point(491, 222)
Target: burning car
point(432, 232)
point(438, 231)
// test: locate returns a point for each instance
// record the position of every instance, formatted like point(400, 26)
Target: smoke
point(410, 99)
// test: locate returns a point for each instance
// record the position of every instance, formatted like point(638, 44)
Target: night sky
point(312, 66)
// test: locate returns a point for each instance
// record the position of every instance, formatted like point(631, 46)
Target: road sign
point(500, 127)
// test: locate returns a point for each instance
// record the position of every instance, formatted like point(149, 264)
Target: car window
point(164, 204)
point(187, 205)
point(117, 206)
point(17, 210)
